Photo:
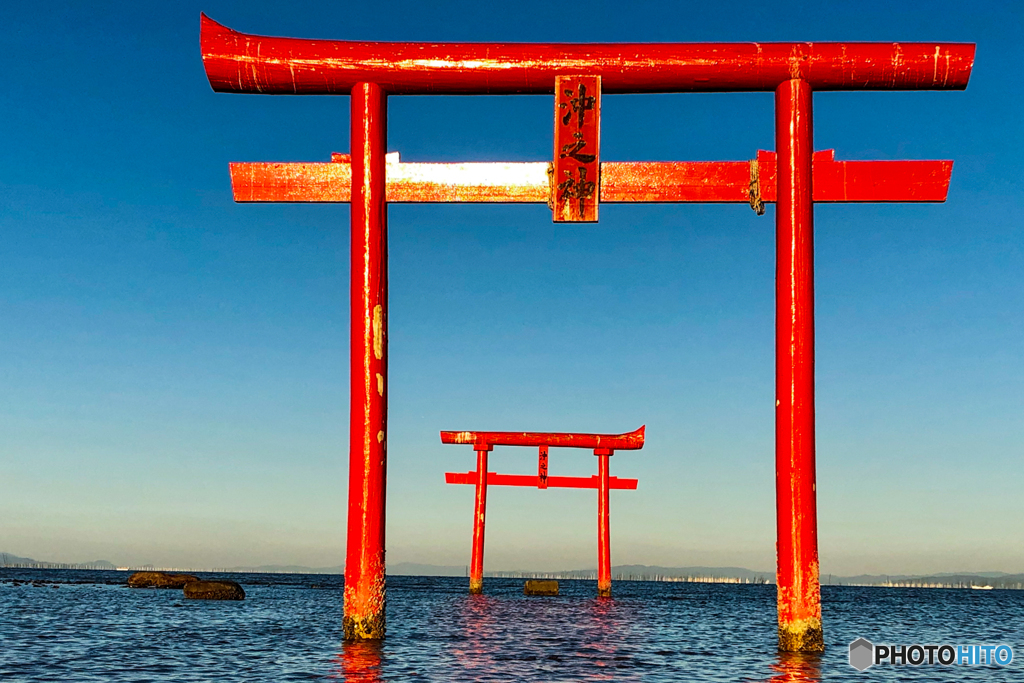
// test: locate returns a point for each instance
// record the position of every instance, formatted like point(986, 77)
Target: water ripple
point(91, 627)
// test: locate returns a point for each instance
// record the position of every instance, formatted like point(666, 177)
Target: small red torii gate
point(604, 446)
point(574, 184)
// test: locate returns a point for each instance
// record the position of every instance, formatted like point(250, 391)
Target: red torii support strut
point(795, 179)
point(604, 446)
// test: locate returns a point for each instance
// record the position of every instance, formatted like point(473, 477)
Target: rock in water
point(159, 580)
point(538, 587)
point(214, 590)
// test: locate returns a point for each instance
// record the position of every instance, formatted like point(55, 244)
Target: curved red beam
point(239, 62)
point(619, 442)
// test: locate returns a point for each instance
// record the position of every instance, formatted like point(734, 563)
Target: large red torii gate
point(794, 177)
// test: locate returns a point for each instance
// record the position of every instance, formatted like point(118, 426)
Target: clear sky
point(174, 367)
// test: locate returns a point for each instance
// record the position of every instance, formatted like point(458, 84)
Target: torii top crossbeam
point(239, 62)
point(621, 442)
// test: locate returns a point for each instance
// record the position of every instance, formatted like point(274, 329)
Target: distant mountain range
point(642, 572)
point(283, 569)
point(9, 560)
point(398, 569)
point(638, 572)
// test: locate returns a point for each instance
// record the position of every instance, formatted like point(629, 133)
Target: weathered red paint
point(576, 185)
point(799, 600)
point(864, 181)
point(481, 478)
point(476, 570)
point(237, 62)
point(629, 441)
point(604, 535)
point(621, 182)
point(364, 560)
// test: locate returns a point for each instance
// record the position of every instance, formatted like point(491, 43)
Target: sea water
point(77, 626)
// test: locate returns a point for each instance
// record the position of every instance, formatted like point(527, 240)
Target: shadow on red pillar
point(364, 560)
point(799, 598)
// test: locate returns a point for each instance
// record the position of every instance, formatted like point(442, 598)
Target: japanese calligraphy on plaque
point(576, 183)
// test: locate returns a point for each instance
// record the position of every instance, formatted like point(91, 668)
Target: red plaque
point(576, 185)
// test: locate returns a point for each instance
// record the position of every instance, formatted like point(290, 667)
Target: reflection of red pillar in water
point(796, 667)
point(476, 570)
point(799, 598)
point(359, 661)
point(604, 539)
point(364, 559)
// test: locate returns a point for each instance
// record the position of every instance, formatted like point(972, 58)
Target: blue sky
point(174, 366)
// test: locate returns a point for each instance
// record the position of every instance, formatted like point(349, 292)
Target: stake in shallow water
point(604, 446)
point(573, 184)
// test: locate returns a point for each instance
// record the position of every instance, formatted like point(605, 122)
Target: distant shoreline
point(716, 575)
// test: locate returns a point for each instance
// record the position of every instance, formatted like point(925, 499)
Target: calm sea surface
point(88, 626)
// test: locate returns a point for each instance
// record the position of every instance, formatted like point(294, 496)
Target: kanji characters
point(578, 105)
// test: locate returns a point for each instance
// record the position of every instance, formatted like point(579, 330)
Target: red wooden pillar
point(364, 560)
point(799, 598)
point(476, 569)
point(604, 535)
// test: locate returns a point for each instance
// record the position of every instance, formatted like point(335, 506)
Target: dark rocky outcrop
point(540, 587)
point(159, 580)
point(214, 590)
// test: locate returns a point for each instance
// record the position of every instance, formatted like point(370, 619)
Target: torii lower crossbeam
point(621, 182)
